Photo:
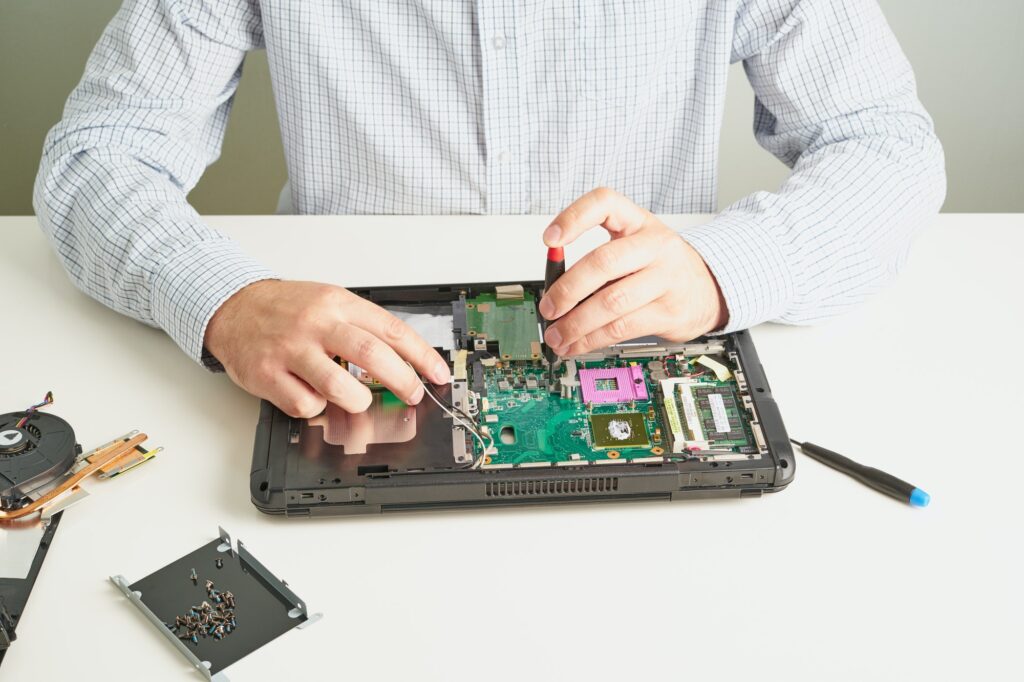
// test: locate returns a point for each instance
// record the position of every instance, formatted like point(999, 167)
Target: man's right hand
point(277, 340)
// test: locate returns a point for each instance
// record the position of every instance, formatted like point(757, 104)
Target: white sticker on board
point(718, 412)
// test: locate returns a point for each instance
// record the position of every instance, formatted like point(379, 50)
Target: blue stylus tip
point(919, 498)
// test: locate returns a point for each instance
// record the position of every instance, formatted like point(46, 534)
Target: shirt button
point(503, 157)
point(498, 42)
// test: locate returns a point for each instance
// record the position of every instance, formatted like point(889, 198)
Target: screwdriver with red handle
point(553, 269)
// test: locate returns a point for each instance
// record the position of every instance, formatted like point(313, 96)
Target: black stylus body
point(869, 476)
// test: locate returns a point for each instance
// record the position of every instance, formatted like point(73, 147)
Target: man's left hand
point(647, 280)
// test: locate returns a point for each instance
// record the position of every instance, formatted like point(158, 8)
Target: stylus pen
point(869, 476)
point(553, 269)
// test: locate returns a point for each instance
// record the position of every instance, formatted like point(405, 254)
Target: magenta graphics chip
point(613, 385)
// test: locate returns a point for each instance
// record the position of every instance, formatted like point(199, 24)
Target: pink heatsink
point(613, 385)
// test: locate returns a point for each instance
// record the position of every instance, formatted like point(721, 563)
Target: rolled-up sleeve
point(138, 131)
point(836, 100)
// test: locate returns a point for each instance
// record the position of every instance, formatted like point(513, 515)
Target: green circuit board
point(512, 323)
point(543, 426)
point(532, 421)
point(603, 409)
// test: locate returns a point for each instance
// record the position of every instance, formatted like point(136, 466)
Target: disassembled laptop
point(647, 418)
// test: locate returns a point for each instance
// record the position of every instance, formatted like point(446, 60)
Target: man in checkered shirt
point(605, 112)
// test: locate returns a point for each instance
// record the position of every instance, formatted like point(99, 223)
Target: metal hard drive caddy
point(216, 605)
point(644, 420)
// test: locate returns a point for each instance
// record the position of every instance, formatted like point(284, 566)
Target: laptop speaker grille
point(549, 486)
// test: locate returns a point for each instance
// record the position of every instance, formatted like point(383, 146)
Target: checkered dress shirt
point(495, 106)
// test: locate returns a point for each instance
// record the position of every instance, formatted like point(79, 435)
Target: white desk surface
point(823, 581)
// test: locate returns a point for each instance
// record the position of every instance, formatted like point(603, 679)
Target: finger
point(602, 265)
point(404, 339)
point(292, 395)
point(332, 381)
point(613, 301)
point(649, 319)
point(601, 206)
point(378, 358)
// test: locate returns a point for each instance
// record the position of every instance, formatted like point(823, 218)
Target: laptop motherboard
point(634, 403)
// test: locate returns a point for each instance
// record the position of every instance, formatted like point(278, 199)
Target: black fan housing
point(33, 455)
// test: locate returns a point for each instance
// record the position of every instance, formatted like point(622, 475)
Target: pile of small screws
point(215, 620)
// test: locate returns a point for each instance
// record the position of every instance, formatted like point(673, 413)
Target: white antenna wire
point(483, 447)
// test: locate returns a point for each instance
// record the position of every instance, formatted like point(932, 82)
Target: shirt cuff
point(750, 266)
point(190, 286)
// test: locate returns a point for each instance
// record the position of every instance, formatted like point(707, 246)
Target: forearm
point(836, 231)
point(137, 134)
point(836, 101)
point(128, 238)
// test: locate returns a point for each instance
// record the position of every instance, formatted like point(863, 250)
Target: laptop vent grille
point(569, 486)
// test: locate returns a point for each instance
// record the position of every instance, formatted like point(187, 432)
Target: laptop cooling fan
point(36, 450)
